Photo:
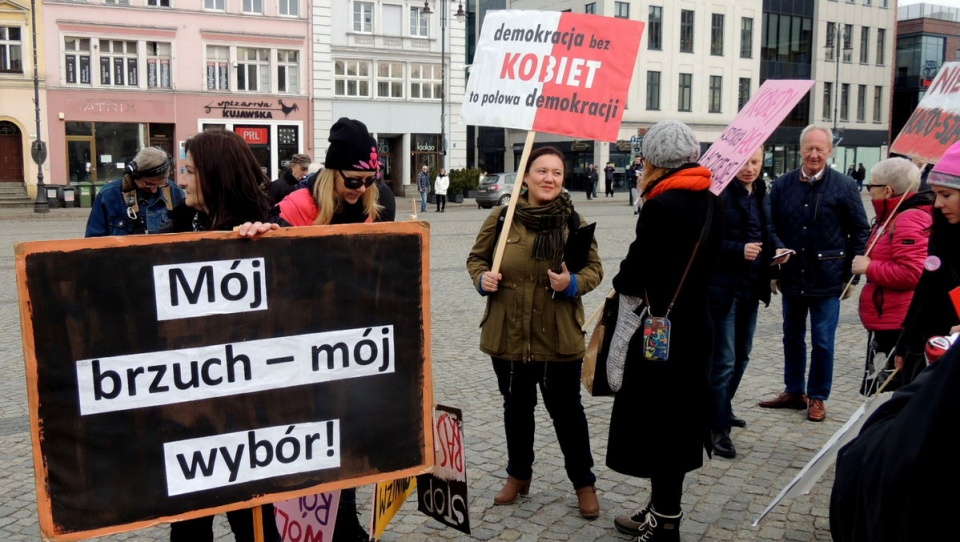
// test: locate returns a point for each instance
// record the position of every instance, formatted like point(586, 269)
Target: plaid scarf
point(547, 221)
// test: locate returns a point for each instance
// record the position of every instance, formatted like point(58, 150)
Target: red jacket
point(896, 260)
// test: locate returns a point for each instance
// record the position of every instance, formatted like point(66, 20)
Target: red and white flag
point(935, 124)
point(547, 71)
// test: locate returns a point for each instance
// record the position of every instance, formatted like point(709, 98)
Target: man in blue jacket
point(817, 212)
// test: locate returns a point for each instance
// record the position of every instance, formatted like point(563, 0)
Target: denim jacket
point(109, 214)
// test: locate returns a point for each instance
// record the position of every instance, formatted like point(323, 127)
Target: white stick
point(517, 187)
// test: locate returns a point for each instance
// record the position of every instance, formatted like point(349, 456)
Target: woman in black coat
point(660, 423)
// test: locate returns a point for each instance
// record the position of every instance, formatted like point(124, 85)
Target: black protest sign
point(175, 376)
point(442, 494)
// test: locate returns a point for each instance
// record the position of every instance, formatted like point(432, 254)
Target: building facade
point(124, 74)
point(927, 36)
point(398, 67)
point(18, 126)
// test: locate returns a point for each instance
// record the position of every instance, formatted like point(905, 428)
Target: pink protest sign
point(309, 519)
point(751, 127)
point(547, 71)
point(935, 124)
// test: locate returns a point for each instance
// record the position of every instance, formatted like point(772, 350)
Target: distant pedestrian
point(290, 179)
point(861, 176)
point(592, 179)
point(440, 185)
point(608, 179)
point(634, 174)
point(140, 201)
point(423, 187)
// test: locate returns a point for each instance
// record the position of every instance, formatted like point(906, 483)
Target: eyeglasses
point(869, 186)
point(354, 183)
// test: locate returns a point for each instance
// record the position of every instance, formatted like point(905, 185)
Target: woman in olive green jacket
point(532, 327)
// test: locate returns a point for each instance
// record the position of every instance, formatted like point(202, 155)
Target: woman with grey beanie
point(665, 393)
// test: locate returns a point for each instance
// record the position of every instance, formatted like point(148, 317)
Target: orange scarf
point(690, 178)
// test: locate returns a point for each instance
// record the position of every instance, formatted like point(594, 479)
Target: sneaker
point(630, 525)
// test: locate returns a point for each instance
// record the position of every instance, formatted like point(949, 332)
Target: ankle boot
point(588, 503)
point(660, 528)
point(511, 490)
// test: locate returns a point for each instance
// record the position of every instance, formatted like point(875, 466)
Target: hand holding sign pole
point(561, 73)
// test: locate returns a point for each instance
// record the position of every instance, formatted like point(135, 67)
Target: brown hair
point(229, 177)
point(543, 151)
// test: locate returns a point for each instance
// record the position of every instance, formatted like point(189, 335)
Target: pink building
point(124, 74)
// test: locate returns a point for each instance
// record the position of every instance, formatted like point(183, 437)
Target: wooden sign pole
point(258, 524)
point(517, 187)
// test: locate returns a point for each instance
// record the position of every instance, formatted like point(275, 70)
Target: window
point(253, 6)
point(159, 3)
point(881, 46)
point(845, 101)
point(684, 102)
point(253, 69)
point(290, 8)
point(864, 44)
point(425, 81)
point(655, 28)
point(746, 37)
point(847, 43)
point(830, 46)
point(218, 67)
point(866, 2)
point(653, 91)
point(214, 5)
point(621, 9)
point(828, 101)
point(861, 103)
point(117, 2)
point(877, 103)
point(158, 65)
point(118, 63)
point(716, 34)
point(288, 72)
point(352, 78)
point(590, 8)
point(363, 17)
point(76, 52)
point(716, 93)
point(686, 31)
point(389, 80)
point(418, 23)
point(743, 92)
point(11, 52)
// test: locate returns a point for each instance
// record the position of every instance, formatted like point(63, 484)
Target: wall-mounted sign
point(254, 135)
point(238, 109)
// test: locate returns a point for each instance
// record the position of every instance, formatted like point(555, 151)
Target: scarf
point(547, 221)
point(686, 177)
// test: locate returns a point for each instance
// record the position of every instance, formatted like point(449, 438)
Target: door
point(11, 153)
point(81, 154)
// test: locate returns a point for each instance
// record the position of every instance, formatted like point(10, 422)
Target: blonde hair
point(329, 202)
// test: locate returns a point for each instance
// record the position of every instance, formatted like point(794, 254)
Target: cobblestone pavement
point(720, 501)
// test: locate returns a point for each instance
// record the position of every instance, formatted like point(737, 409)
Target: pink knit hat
point(947, 171)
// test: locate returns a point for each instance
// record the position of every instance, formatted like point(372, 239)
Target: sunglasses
point(354, 183)
point(869, 186)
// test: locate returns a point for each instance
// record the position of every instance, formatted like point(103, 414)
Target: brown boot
point(511, 490)
point(588, 503)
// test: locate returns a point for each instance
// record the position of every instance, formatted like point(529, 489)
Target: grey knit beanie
point(670, 144)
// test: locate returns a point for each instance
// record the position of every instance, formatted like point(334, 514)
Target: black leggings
point(441, 202)
point(665, 493)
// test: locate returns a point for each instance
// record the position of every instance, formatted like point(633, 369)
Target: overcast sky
point(951, 3)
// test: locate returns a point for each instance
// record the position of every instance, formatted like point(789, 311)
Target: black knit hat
point(352, 148)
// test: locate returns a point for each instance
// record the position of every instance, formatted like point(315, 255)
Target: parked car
point(495, 189)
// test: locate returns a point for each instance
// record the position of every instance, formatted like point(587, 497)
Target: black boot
point(660, 528)
point(722, 445)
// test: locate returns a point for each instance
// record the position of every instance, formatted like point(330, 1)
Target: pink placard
point(310, 518)
point(751, 127)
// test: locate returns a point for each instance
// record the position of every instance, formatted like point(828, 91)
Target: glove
point(849, 292)
point(774, 287)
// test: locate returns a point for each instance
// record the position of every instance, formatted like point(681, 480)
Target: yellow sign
point(387, 500)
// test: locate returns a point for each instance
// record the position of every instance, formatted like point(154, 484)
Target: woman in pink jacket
point(894, 264)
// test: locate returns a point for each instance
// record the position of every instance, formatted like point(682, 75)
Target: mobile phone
point(778, 259)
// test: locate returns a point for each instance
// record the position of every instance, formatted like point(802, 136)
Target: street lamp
point(839, 42)
point(38, 150)
point(460, 16)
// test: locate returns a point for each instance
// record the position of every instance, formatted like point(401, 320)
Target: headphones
point(133, 171)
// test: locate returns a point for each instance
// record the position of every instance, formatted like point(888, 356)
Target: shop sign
point(579, 146)
point(237, 109)
point(254, 135)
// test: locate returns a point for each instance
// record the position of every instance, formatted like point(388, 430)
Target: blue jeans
point(423, 201)
point(559, 383)
point(732, 342)
point(824, 317)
